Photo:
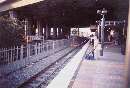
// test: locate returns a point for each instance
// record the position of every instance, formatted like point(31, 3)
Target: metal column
point(102, 34)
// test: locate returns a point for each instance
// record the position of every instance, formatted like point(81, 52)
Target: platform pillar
point(102, 35)
point(47, 32)
point(28, 27)
point(55, 32)
point(40, 28)
point(59, 33)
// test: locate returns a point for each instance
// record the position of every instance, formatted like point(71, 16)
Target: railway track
point(42, 79)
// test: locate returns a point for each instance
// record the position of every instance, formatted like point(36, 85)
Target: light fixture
point(1, 1)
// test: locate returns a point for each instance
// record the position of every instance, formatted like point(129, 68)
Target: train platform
point(105, 71)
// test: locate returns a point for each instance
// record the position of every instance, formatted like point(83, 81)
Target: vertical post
point(68, 34)
point(21, 52)
point(53, 45)
point(61, 33)
point(102, 34)
point(102, 12)
point(39, 47)
point(27, 50)
point(39, 27)
point(8, 57)
point(11, 53)
point(78, 30)
point(1, 55)
point(47, 32)
point(35, 49)
point(127, 57)
point(17, 52)
point(25, 26)
point(55, 33)
point(14, 50)
point(124, 27)
point(4, 54)
point(47, 48)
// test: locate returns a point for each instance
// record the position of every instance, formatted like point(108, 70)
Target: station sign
point(74, 31)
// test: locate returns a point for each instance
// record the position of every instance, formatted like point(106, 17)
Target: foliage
point(11, 32)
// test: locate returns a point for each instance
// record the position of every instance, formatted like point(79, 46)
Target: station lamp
point(102, 12)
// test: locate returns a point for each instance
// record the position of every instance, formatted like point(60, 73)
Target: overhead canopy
point(12, 4)
point(69, 12)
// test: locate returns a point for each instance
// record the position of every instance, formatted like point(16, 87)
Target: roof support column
point(47, 32)
point(39, 27)
point(55, 33)
point(59, 33)
point(102, 35)
point(27, 27)
point(66, 32)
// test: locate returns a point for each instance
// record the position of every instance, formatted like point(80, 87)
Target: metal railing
point(22, 52)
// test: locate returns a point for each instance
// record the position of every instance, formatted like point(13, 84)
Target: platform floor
point(100, 74)
point(106, 72)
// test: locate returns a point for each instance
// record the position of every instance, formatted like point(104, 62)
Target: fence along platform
point(20, 56)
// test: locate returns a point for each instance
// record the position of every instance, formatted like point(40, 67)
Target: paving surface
point(106, 72)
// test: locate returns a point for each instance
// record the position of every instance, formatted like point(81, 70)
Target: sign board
point(74, 31)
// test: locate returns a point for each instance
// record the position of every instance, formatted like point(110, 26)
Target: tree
point(11, 32)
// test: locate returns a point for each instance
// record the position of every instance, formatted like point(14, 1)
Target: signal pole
point(102, 12)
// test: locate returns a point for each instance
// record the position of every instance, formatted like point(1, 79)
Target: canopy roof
point(69, 12)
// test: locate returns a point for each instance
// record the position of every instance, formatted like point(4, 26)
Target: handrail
point(20, 52)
